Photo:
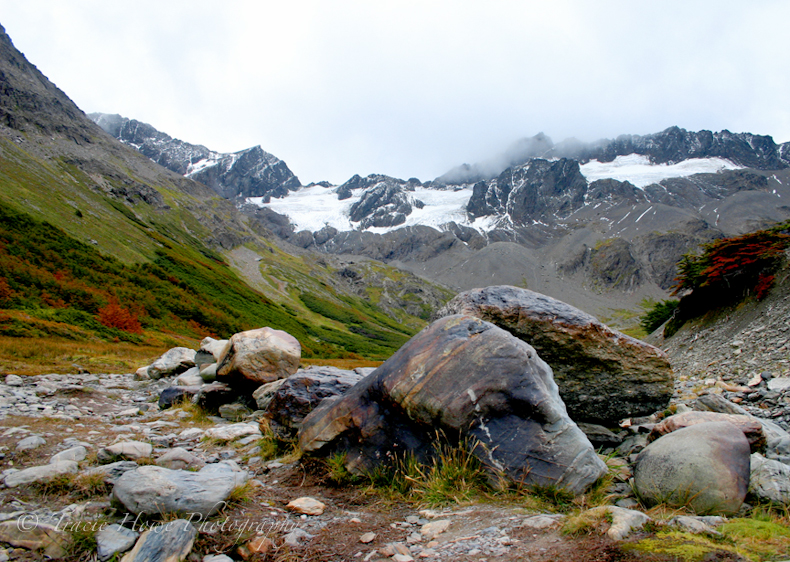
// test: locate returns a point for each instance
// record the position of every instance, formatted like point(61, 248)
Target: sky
point(412, 88)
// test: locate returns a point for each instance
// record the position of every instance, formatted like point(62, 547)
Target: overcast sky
point(412, 88)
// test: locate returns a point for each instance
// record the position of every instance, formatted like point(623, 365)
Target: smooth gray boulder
point(704, 467)
point(153, 490)
point(603, 375)
point(255, 357)
point(460, 376)
point(172, 362)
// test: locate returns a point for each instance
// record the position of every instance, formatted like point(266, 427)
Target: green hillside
point(99, 244)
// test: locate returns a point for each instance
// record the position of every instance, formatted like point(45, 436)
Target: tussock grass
point(75, 486)
point(453, 475)
point(197, 415)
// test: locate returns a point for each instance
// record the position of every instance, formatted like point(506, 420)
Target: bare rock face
point(255, 357)
point(603, 375)
point(703, 466)
point(466, 378)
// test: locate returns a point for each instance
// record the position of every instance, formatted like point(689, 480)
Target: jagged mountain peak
point(251, 172)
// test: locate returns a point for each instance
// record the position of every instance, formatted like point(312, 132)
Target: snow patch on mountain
point(312, 208)
point(638, 169)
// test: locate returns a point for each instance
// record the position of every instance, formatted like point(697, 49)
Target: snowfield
point(312, 208)
point(638, 170)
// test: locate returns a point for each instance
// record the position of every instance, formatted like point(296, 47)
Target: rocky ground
point(47, 414)
point(741, 356)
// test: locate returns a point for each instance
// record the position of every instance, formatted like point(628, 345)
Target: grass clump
point(75, 486)
point(272, 446)
point(197, 415)
point(452, 475)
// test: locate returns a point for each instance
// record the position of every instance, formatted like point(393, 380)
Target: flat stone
point(367, 538)
point(152, 489)
point(13, 380)
point(179, 458)
point(779, 384)
point(111, 472)
point(40, 473)
point(191, 433)
point(114, 539)
point(233, 431)
point(33, 535)
point(307, 506)
point(542, 521)
point(125, 450)
point(751, 428)
point(624, 521)
point(435, 528)
point(30, 443)
point(77, 454)
point(169, 542)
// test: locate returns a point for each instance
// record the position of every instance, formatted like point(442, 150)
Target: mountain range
point(600, 225)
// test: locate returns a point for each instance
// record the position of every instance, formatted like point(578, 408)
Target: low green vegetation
point(53, 286)
point(658, 314)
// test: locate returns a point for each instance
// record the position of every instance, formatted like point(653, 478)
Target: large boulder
point(302, 392)
point(172, 362)
point(603, 375)
point(703, 466)
point(463, 377)
point(752, 429)
point(255, 357)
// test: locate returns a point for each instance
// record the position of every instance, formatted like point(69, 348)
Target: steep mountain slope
point(91, 225)
point(247, 173)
